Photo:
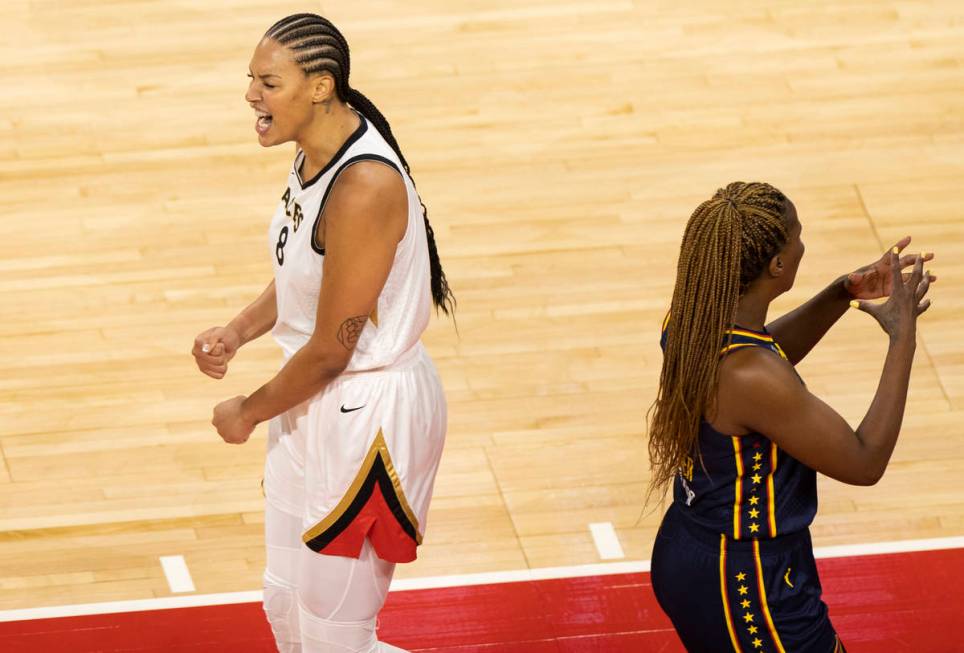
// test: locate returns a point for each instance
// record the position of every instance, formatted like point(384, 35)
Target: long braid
point(728, 242)
point(318, 46)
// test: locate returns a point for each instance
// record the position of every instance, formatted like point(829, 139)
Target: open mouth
point(263, 122)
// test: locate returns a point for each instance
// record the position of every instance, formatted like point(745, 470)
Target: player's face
point(792, 252)
point(279, 93)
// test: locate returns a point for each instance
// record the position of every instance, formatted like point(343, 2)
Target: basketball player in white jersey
point(356, 415)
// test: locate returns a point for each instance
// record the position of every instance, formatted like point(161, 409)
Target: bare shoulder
point(368, 195)
point(372, 179)
point(752, 379)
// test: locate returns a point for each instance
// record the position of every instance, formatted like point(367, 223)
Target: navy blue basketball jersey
point(745, 486)
point(733, 563)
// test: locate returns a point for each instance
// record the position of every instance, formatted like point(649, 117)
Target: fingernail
point(854, 303)
point(895, 251)
point(205, 348)
point(928, 254)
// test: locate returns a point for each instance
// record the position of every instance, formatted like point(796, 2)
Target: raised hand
point(898, 315)
point(875, 280)
point(213, 349)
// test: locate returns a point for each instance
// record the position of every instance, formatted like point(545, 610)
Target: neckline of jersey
point(743, 328)
point(355, 135)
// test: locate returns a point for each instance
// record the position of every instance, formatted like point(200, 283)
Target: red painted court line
point(893, 603)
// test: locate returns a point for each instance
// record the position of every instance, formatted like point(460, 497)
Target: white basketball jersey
point(405, 303)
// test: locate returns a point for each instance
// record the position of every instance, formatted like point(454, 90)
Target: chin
point(266, 140)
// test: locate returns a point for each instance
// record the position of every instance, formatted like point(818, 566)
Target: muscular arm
point(761, 393)
point(215, 347)
point(802, 328)
point(258, 317)
point(365, 218)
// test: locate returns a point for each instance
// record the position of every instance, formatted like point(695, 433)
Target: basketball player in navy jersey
point(740, 437)
point(357, 416)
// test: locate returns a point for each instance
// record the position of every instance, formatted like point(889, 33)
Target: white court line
point(433, 582)
point(900, 546)
point(177, 574)
point(517, 576)
point(136, 605)
point(606, 540)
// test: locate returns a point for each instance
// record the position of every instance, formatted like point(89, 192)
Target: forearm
point(879, 429)
point(258, 317)
point(801, 329)
point(303, 376)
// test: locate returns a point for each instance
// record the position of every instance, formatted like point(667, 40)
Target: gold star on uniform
point(758, 642)
point(757, 456)
point(748, 617)
point(757, 478)
point(753, 630)
point(745, 603)
point(757, 467)
point(754, 528)
point(754, 500)
point(754, 513)
point(740, 576)
point(743, 590)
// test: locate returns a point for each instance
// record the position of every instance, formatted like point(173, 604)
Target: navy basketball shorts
point(757, 596)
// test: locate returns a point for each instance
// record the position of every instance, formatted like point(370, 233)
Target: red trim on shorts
point(375, 521)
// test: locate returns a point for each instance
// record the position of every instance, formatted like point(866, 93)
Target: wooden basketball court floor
point(560, 147)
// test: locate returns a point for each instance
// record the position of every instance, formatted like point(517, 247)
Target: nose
point(250, 96)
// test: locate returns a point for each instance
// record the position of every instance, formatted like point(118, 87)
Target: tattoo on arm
point(350, 330)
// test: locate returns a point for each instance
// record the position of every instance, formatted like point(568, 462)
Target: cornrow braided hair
point(728, 242)
point(318, 47)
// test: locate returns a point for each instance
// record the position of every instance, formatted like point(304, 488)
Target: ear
point(776, 266)
point(323, 88)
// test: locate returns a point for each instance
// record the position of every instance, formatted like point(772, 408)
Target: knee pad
point(326, 636)
point(281, 609)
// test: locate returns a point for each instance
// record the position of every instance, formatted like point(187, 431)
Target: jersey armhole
point(324, 200)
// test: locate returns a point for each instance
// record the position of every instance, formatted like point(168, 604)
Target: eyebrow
point(262, 76)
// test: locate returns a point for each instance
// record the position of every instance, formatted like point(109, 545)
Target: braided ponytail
point(318, 46)
point(727, 243)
